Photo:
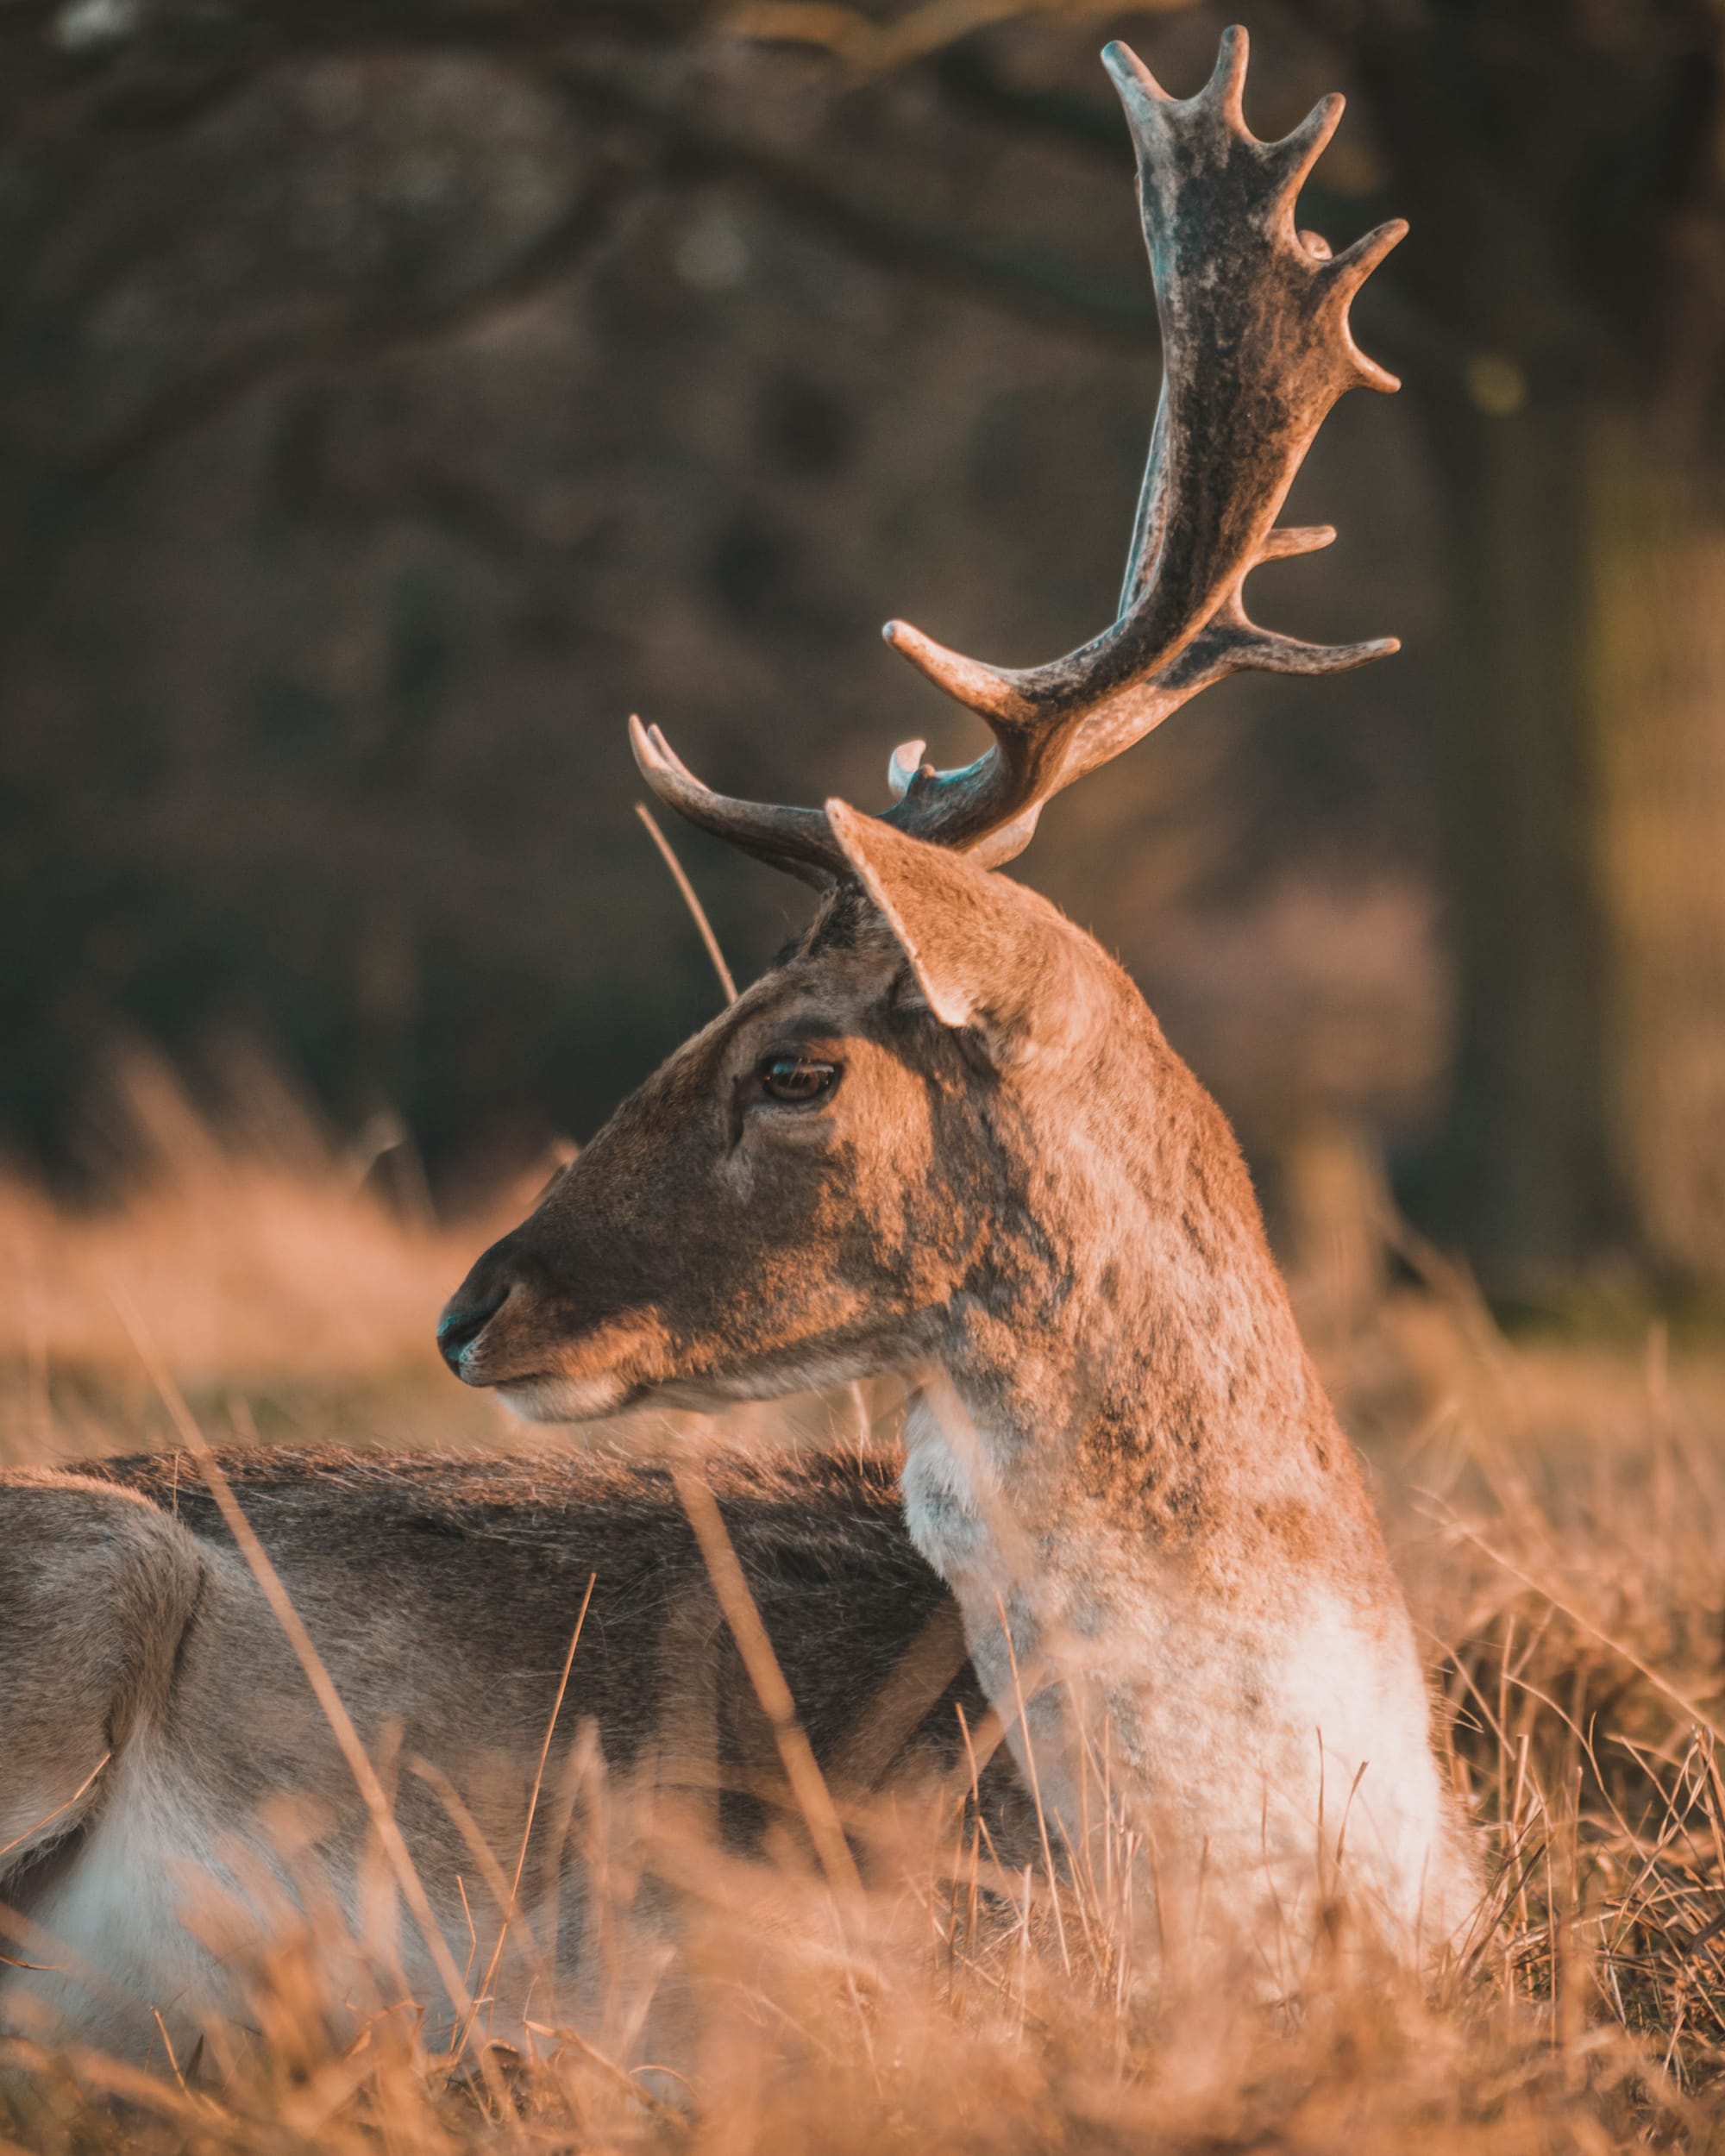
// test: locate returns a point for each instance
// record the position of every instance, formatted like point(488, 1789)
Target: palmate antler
point(1256, 349)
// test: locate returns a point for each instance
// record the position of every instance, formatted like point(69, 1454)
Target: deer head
point(943, 1113)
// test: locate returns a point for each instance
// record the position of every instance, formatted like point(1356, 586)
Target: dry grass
point(260, 1255)
point(1560, 1512)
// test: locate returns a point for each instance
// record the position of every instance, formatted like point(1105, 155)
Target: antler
point(1256, 349)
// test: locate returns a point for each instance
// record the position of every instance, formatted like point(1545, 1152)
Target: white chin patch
point(563, 1399)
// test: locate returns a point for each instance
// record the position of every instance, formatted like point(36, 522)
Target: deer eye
point(796, 1080)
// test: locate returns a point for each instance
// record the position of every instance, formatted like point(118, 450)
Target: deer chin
point(556, 1399)
point(579, 1392)
point(616, 1366)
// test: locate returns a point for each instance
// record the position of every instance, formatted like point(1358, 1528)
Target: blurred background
point(395, 396)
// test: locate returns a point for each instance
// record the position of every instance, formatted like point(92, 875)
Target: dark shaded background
point(396, 396)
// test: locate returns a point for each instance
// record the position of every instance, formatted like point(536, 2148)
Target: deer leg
point(97, 1589)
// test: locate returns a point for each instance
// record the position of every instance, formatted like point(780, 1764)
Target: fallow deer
point(943, 1138)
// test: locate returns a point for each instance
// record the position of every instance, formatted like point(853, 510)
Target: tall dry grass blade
point(167, 2045)
point(696, 909)
point(921, 1674)
point(329, 1701)
point(506, 1894)
point(59, 1811)
point(489, 1869)
point(24, 1931)
point(511, 1904)
point(802, 1769)
point(1035, 1791)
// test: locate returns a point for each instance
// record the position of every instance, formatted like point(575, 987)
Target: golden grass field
point(1559, 1513)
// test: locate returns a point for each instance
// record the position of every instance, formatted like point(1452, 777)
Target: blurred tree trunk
point(1565, 166)
point(1655, 630)
point(1587, 762)
point(1520, 1176)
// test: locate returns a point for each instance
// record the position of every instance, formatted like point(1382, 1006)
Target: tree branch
point(208, 396)
point(685, 149)
point(868, 45)
point(695, 150)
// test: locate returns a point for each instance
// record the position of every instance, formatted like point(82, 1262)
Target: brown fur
point(440, 1594)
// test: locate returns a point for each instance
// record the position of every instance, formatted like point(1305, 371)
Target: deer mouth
point(600, 1372)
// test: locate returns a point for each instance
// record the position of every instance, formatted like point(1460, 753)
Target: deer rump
point(170, 1790)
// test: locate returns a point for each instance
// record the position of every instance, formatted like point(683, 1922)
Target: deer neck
point(1126, 1469)
point(1123, 1409)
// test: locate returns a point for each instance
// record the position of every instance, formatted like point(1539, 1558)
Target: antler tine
point(1225, 90)
point(1294, 156)
point(902, 767)
point(796, 840)
point(1257, 347)
point(1347, 272)
point(1287, 540)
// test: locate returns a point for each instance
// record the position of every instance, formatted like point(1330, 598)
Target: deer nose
point(466, 1315)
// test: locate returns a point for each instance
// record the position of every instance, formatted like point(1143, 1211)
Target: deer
point(941, 1140)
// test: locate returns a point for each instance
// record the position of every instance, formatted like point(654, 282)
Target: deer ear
point(973, 942)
